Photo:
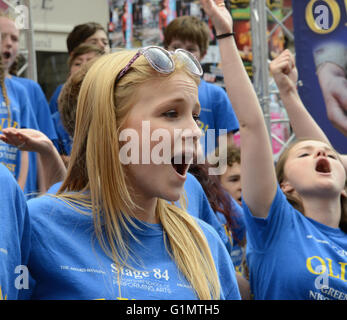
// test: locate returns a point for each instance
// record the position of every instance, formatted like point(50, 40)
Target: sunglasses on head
point(161, 60)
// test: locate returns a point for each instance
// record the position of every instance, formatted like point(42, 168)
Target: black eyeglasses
point(161, 60)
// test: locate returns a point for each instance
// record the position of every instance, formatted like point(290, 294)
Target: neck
point(323, 210)
point(147, 209)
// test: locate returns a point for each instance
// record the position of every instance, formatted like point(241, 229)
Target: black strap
point(225, 35)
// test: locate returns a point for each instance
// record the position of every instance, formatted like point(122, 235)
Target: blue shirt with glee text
point(292, 257)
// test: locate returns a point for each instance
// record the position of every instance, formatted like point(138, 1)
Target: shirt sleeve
point(263, 233)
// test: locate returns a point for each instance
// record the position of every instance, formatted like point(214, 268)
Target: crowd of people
point(116, 189)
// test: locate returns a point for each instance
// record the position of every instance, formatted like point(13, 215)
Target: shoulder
point(26, 82)
point(14, 85)
point(212, 237)
point(12, 199)
point(5, 175)
point(50, 208)
point(8, 180)
point(192, 184)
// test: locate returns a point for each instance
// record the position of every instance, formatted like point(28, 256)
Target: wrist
point(47, 149)
point(221, 36)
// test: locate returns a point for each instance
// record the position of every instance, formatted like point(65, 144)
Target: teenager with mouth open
point(110, 231)
point(297, 224)
point(15, 112)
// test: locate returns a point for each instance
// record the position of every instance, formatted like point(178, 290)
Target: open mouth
point(6, 55)
point(323, 166)
point(180, 165)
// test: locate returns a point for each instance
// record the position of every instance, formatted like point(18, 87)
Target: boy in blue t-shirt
point(14, 238)
point(192, 34)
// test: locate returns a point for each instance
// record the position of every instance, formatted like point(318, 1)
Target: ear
point(286, 187)
point(344, 193)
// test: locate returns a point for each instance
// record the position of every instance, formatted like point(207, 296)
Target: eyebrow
point(178, 101)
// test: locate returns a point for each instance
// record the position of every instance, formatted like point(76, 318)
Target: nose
point(321, 153)
point(195, 130)
point(190, 136)
point(101, 44)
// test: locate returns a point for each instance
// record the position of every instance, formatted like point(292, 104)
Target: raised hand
point(26, 139)
point(219, 15)
point(284, 71)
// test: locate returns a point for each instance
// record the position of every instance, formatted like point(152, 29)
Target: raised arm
point(285, 75)
point(258, 177)
point(51, 167)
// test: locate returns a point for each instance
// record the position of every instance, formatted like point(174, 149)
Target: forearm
point(51, 167)
point(24, 167)
point(304, 126)
point(256, 151)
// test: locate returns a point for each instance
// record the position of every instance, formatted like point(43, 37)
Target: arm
point(23, 172)
point(285, 74)
point(51, 168)
point(259, 182)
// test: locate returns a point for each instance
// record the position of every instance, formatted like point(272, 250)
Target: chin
point(172, 197)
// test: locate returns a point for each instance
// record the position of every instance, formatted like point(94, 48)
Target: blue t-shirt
point(216, 113)
point(238, 251)
point(64, 141)
point(39, 106)
point(53, 102)
point(291, 257)
point(45, 124)
point(14, 237)
point(22, 116)
point(67, 261)
point(198, 206)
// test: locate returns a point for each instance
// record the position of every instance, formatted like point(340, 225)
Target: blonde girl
point(110, 231)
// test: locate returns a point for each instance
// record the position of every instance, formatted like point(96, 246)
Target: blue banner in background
point(320, 31)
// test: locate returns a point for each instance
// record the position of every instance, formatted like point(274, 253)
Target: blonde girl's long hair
point(96, 178)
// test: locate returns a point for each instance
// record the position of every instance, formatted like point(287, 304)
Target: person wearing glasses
point(296, 215)
point(112, 230)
